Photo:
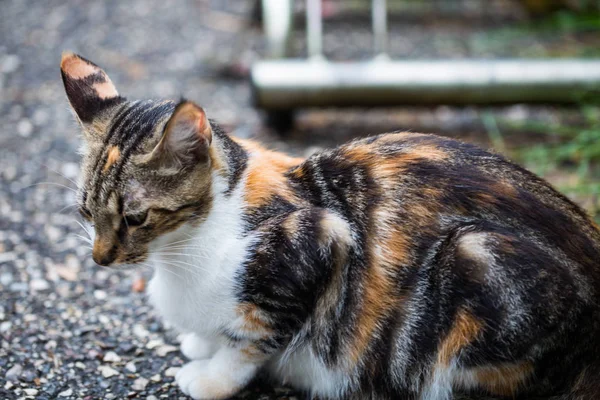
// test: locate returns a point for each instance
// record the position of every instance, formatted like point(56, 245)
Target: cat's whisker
point(179, 241)
point(183, 247)
point(192, 256)
point(50, 183)
point(67, 206)
point(87, 240)
point(59, 173)
point(85, 229)
point(182, 262)
point(183, 267)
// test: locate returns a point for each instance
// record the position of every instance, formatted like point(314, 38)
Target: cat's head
point(146, 167)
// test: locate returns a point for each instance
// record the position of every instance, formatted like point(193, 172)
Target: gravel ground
point(69, 329)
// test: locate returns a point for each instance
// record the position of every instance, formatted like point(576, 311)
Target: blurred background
point(73, 330)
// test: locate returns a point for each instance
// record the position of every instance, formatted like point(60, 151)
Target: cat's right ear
point(185, 141)
point(89, 89)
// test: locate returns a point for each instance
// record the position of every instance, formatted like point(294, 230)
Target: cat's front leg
point(221, 376)
point(196, 347)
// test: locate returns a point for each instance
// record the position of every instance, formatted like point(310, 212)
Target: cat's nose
point(104, 253)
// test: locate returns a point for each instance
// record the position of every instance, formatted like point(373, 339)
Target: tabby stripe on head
point(148, 119)
point(138, 123)
point(121, 117)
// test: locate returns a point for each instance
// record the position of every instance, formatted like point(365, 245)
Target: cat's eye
point(135, 219)
point(85, 213)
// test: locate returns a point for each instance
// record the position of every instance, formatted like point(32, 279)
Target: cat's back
point(412, 188)
point(460, 258)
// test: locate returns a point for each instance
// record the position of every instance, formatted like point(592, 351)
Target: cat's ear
point(89, 89)
point(185, 141)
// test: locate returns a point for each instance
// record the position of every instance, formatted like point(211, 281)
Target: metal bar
point(314, 28)
point(289, 84)
point(277, 22)
point(379, 20)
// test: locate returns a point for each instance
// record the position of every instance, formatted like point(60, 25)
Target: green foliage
point(548, 36)
point(574, 150)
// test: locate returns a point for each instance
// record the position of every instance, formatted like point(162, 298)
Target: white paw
point(195, 381)
point(196, 348)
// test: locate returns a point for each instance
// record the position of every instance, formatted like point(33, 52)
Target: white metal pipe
point(379, 21)
point(289, 84)
point(277, 22)
point(314, 28)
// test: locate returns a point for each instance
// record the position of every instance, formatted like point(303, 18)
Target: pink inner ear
point(201, 122)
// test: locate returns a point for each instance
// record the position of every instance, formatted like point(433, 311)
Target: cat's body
point(397, 266)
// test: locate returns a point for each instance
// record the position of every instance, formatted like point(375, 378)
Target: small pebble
point(14, 373)
point(18, 287)
point(139, 384)
point(5, 326)
point(31, 392)
point(172, 371)
point(28, 375)
point(10, 63)
point(39, 285)
point(156, 378)
point(166, 349)
point(140, 331)
point(107, 371)
point(111, 356)
point(126, 347)
point(25, 128)
point(154, 343)
point(100, 294)
point(139, 284)
point(66, 393)
point(130, 366)
point(6, 278)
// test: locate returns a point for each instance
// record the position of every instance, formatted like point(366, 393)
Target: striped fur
point(398, 266)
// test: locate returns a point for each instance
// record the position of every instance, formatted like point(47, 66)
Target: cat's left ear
point(185, 141)
point(88, 87)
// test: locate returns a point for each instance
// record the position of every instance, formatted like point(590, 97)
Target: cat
point(397, 266)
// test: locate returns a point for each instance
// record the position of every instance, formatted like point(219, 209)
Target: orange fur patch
point(75, 67)
point(430, 152)
point(465, 329)
point(105, 90)
point(253, 319)
point(378, 302)
point(266, 171)
point(390, 169)
point(503, 380)
point(252, 353)
point(113, 156)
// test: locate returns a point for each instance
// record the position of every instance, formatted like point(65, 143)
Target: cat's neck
point(193, 251)
point(233, 157)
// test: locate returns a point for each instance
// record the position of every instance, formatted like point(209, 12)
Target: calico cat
point(398, 266)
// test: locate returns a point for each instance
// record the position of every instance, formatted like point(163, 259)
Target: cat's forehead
point(134, 121)
point(130, 129)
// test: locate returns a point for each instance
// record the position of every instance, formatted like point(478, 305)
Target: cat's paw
point(196, 348)
point(195, 381)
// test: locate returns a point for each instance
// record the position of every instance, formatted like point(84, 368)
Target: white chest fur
point(196, 268)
